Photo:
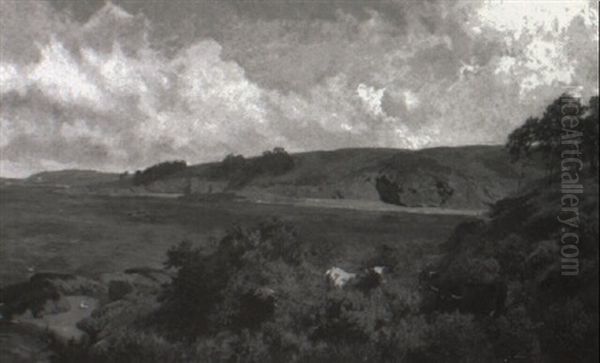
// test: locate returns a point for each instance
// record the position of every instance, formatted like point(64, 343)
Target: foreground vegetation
point(496, 294)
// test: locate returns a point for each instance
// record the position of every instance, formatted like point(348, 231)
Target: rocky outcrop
point(414, 191)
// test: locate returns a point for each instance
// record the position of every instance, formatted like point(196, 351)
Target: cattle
point(338, 277)
point(370, 279)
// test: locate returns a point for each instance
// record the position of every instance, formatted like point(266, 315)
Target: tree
point(590, 134)
point(520, 143)
point(232, 164)
point(231, 287)
point(275, 162)
point(542, 135)
point(158, 171)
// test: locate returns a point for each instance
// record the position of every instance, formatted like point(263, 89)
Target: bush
point(513, 335)
point(570, 332)
point(133, 345)
point(229, 288)
point(455, 337)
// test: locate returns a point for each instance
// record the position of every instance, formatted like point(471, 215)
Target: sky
point(121, 85)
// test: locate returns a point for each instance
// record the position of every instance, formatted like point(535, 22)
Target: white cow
point(339, 277)
point(379, 270)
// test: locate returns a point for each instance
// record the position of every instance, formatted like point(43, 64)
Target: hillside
point(72, 177)
point(514, 265)
point(468, 177)
point(460, 177)
point(10, 181)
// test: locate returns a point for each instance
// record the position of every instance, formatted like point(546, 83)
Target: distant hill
point(72, 177)
point(468, 177)
point(10, 181)
point(453, 177)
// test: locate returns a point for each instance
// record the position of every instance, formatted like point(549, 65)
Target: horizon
point(131, 171)
point(121, 85)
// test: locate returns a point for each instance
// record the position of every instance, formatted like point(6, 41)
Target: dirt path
point(352, 204)
point(370, 205)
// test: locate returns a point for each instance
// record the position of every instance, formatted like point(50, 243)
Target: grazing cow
point(370, 279)
point(378, 270)
point(339, 277)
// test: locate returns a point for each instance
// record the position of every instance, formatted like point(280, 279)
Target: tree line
point(239, 170)
point(158, 171)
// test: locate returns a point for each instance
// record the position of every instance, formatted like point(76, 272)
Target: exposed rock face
point(428, 191)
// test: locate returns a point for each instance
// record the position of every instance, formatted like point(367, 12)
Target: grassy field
point(44, 230)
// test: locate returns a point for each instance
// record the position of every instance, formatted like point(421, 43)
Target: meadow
point(45, 229)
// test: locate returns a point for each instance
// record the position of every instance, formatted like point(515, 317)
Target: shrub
point(513, 335)
point(570, 331)
point(225, 289)
point(132, 346)
point(455, 337)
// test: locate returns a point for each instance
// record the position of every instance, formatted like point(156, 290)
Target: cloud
point(11, 79)
point(371, 98)
point(522, 18)
point(59, 76)
point(136, 83)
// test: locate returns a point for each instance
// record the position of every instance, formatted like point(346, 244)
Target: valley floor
point(48, 230)
point(42, 229)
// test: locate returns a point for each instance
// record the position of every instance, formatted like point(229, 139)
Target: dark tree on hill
point(158, 171)
point(233, 164)
point(542, 135)
point(241, 171)
point(520, 144)
point(590, 134)
point(275, 162)
point(522, 140)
